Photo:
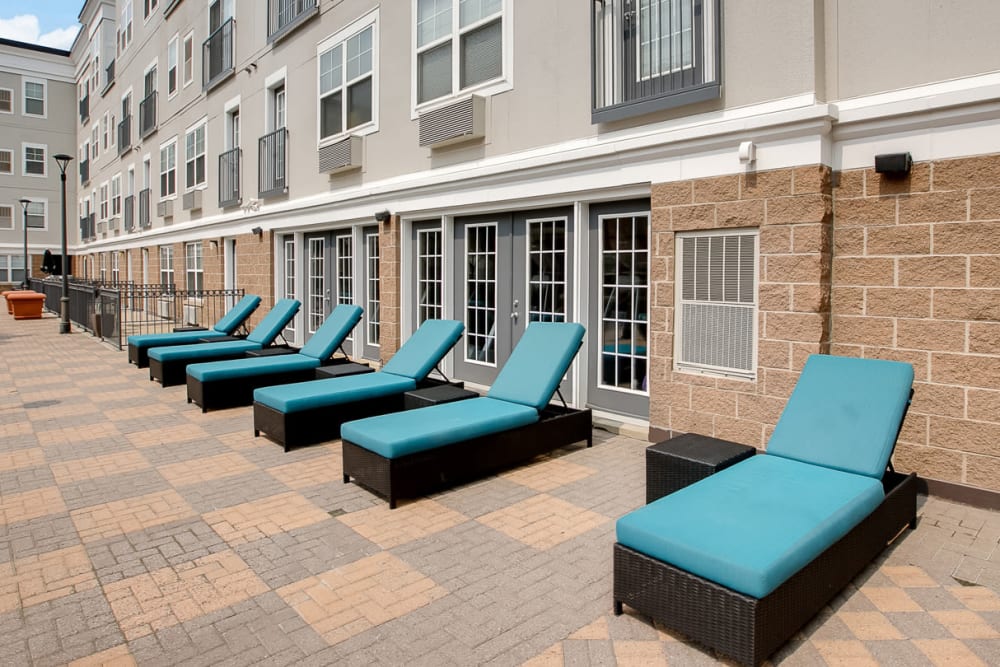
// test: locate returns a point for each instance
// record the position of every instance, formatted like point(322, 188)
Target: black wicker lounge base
point(416, 474)
point(174, 372)
point(233, 392)
point(748, 629)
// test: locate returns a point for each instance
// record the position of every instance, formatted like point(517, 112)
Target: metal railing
point(217, 60)
point(272, 164)
point(229, 178)
point(125, 135)
point(128, 213)
point(144, 219)
point(147, 115)
point(283, 15)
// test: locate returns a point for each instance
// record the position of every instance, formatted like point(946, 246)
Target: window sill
point(488, 89)
point(639, 107)
point(292, 25)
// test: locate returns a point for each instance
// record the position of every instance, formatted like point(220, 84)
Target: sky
point(46, 22)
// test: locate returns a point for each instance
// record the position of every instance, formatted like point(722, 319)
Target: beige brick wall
point(916, 277)
point(255, 270)
point(389, 288)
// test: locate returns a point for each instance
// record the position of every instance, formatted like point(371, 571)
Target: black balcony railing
point(272, 163)
point(125, 135)
point(109, 75)
point(147, 115)
point(128, 213)
point(229, 178)
point(84, 172)
point(283, 16)
point(85, 109)
point(144, 219)
point(217, 58)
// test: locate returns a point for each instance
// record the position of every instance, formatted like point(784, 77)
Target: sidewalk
point(136, 530)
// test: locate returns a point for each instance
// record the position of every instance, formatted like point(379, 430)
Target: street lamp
point(63, 160)
point(24, 207)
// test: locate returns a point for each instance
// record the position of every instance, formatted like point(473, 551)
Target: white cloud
point(25, 28)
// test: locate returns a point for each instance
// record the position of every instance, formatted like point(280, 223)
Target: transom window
point(34, 98)
point(194, 156)
point(346, 84)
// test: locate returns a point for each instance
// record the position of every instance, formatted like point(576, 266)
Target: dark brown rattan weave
point(174, 372)
point(416, 474)
point(233, 392)
point(673, 464)
point(748, 629)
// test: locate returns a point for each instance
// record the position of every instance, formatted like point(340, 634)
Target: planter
point(10, 308)
point(26, 305)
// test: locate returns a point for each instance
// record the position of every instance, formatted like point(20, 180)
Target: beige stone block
point(672, 194)
point(815, 178)
point(660, 220)
point(774, 354)
point(748, 213)
point(898, 302)
point(938, 400)
point(984, 271)
point(663, 295)
point(691, 421)
point(982, 472)
point(965, 369)
point(936, 271)
point(774, 297)
point(984, 204)
point(934, 335)
point(696, 216)
point(793, 268)
point(866, 211)
point(915, 429)
point(933, 207)
point(716, 189)
point(848, 241)
point(804, 327)
point(845, 350)
point(919, 359)
point(968, 172)
point(801, 352)
point(965, 435)
point(931, 462)
point(814, 237)
point(714, 401)
point(676, 394)
point(864, 271)
point(899, 240)
point(970, 304)
point(849, 184)
point(759, 408)
point(766, 184)
point(918, 180)
point(984, 338)
point(775, 240)
point(799, 209)
point(863, 330)
point(743, 431)
point(847, 300)
point(779, 383)
point(983, 404)
point(810, 298)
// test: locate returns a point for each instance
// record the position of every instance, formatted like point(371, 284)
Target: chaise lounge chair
point(409, 453)
point(139, 344)
point(310, 412)
point(218, 384)
point(168, 364)
point(742, 559)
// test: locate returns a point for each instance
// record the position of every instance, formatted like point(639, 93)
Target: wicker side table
point(678, 462)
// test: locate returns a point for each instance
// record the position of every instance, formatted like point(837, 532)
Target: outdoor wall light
point(383, 216)
point(893, 165)
point(259, 231)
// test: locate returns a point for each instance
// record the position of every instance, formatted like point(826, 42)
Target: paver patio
point(134, 529)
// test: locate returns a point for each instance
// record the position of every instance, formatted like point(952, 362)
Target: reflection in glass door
point(329, 278)
point(372, 294)
point(319, 296)
point(481, 293)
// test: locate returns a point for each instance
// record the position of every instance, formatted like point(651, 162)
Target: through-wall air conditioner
point(113, 225)
point(342, 155)
point(191, 200)
point(165, 209)
point(102, 227)
point(460, 121)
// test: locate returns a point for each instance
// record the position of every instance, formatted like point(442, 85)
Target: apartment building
point(36, 122)
point(694, 180)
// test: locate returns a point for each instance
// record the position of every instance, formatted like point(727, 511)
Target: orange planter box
point(25, 305)
point(10, 308)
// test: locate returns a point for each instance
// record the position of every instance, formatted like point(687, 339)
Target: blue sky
point(46, 22)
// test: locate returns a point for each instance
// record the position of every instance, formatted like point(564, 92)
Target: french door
point(370, 294)
point(329, 278)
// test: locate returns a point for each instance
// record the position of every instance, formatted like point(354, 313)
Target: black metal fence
point(115, 311)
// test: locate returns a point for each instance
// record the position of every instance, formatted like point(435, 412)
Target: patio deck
point(136, 529)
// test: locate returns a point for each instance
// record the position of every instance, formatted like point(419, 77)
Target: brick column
point(389, 286)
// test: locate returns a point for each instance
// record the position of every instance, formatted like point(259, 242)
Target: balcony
point(284, 16)
point(147, 115)
point(85, 109)
point(217, 58)
point(272, 161)
point(84, 172)
point(229, 178)
point(124, 135)
point(144, 220)
point(648, 58)
point(109, 77)
point(128, 213)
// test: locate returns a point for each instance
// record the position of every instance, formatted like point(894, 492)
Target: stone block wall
point(255, 270)
point(389, 288)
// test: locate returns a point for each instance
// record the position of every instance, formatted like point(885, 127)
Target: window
point(459, 45)
point(115, 267)
point(651, 55)
point(188, 58)
point(11, 268)
point(278, 95)
point(430, 280)
point(148, 7)
point(6, 161)
point(104, 268)
point(125, 26)
point(167, 266)
point(104, 131)
point(34, 98)
point(290, 275)
point(34, 159)
point(194, 157)
point(345, 84)
point(103, 208)
point(6, 217)
point(168, 169)
point(6, 100)
point(194, 269)
point(172, 66)
point(717, 302)
point(95, 140)
point(36, 215)
point(116, 195)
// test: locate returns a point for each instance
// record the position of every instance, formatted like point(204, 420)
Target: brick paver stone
point(265, 517)
point(543, 521)
point(30, 505)
point(99, 522)
point(411, 521)
point(95, 467)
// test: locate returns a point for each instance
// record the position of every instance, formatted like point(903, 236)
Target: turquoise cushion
point(229, 348)
point(844, 413)
point(290, 398)
point(142, 341)
point(538, 363)
point(333, 331)
point(273, 323)
point(424, 349)
point(402, 433)
point(753, 525)
point(214, 371)
point(237, 314)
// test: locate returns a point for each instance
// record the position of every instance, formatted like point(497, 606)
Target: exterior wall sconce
point(747, 152)
point(259, 231)
point(893, 165)
point(383, 216)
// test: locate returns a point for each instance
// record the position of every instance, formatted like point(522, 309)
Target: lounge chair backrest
point(276, 320)
point(333, 331)
point(424, 349)
point(238, 314)
point(844, 413)
point(538, 363)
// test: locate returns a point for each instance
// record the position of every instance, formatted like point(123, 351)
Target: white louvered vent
point(113, 225)
point(191, 200)
point(461, 121)
point(102, 227)
point(341, 156)
point(165, 209)
point(718, 302)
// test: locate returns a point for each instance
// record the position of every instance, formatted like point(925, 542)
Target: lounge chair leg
point(256, 433)
point(618, 608)
point(347, 478)
point(392, 503)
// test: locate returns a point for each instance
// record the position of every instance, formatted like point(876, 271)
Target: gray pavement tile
point(25, 479)
point(101, 490)
point(75, 451)
point(23, 539)
point(233, 490)
point(178, 452)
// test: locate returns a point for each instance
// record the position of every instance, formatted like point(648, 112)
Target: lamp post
point(24, 208)
point(63, 160)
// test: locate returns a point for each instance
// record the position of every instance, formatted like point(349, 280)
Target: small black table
point(444, 393)
point(342, 369)
point(272, 351)
point(678, 462)
point(192, 327)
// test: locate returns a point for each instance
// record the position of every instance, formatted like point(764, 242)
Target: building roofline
point(34, 47)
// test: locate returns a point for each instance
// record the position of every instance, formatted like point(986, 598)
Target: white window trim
point(45, 215)
point(199, 186)
point(12, 100)
point(95, 144)
point(175, 43)
point(194, 51)
point(25, 145)
point(117, 178)
point(104, 201)
point(128, 4)
point(13, 224)
point(159, 173)
point(24, 97)
point(197, 271)
point(341, 37)
point(152, 11)
point(273, 81)
point(485, 89)
point(11, 172)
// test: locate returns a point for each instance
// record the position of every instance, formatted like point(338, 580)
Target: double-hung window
point(34, 98)
point(36, 215)
point(34, 159)
point(6, 218)
point(194, 268)
point(188, 54)
point(6, 100)
point(172, 66)
point(125, 26)
point(167, 267)
point(194, 157)
point(168, 169)
point(148, 7)
point(116, 195)
point(346, 82)
point(103, 210)
point(459, 45)
point(6, 161)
